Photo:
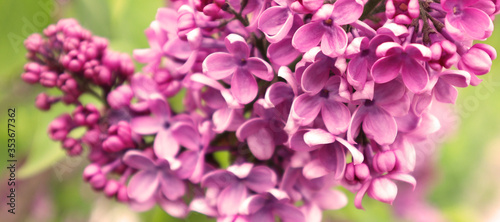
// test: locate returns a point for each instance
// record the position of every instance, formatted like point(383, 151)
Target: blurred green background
point(465, 180)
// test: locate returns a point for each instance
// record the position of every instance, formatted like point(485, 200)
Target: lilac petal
point(421, 102)
point(336, 116)
point(386, 69)
point(389, 49)
point(145, 125)
point(312, 5)
point(306, 107)
point(389, 92)
point(282, 52)
point(138, 160)
point(166, 18)
point(219, 65)
point(445, 92)
point(357, 72)
point(231, 198)
point(334, 41)
point(254, 203)
point(308, 36)
point(399, 107)
point(243, 86)
point(261, 179)
point(357, 118)
point(317, 137)
point(297, 142)
point(241, 170)
point(260, 68)
point(360, 194)
point(357, 156)
point(201, 205)
point(414, 76)
point(186, 136)
point(346, 11)
point(332, 157)
point(418, 51)
point(249, 128)
point(380, 125)
point(143, 86)
point(278, 93)
point(188, 161)
point(218, 179)
point(458, 78)
point(403, 177)
point(159, 107)
point(289, 213)
point(165, 144)
point(264, 215)
point(172, 187)
point(143, 185)
point(237, 46)
point(314, 169)
point(315, 77)
point(176, 208)
point(261, 143)
point(276, 22)
point(329, 199)
point(312, 212)
point(473, 22)
point(383, 190)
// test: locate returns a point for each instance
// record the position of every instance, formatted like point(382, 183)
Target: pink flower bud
point(90, 171)
point(384, 162)
point(120, 97)
point(98, 181)
point(113, 144)
point(111, 188)
point(43, 101)
point(33, 42)
point(122, 194)
point(50, 30)
point(60, 127)
point(48, 79)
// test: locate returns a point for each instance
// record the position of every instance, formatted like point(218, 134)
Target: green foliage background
point(49, 184)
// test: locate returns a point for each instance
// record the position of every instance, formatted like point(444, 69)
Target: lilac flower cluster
point(303, 96)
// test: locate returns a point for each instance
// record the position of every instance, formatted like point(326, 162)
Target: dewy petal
point(414, 75)
point(315, 77)
point(237, 46)
point(308, 36)
point(386, 69)
point(260, 68)
point(145, 125)
point(346, 11)
point(334, 41)
point(172, 187)
point(336, 116)
point(143, 185)
point(243, 86)
point(261, 143)
point(261, 179)
point(165, 144)
point(231, 198)
point(219, 65)
point(276, 22)
point(138, 160)
point(380, 125)
point(306, 107)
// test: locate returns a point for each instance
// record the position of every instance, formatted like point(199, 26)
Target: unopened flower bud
point(384, 162)
point(120, 97)
point(48, 79)
point(60, 127)
point(111, 188)
point(98, 181)
point(90, 171)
